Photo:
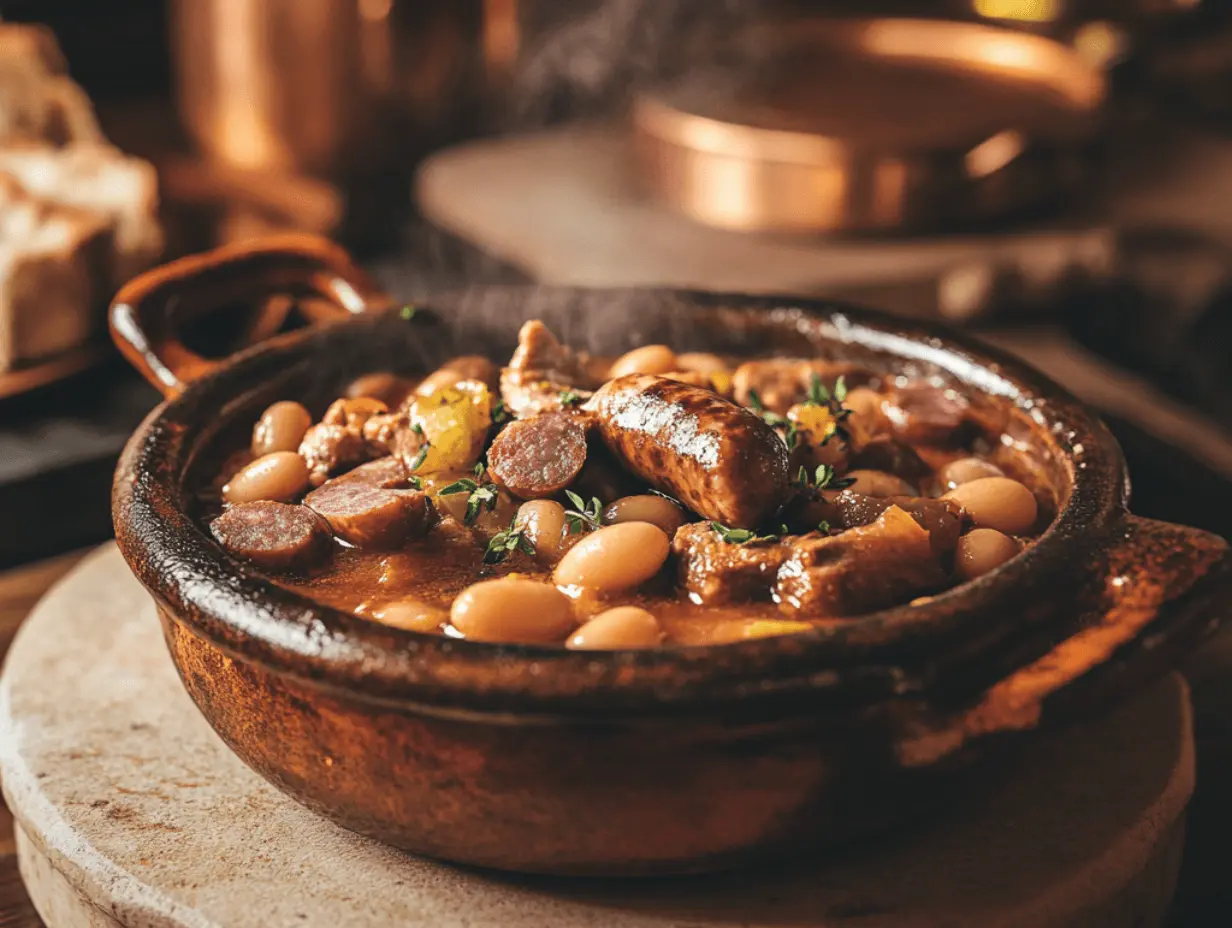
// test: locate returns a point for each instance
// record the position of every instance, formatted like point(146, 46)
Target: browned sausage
point(538, 457)
point(369, 516)
point(717, 458)
point(386, 473)
point(274, 536)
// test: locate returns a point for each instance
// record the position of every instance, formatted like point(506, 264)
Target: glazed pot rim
point(879, 655)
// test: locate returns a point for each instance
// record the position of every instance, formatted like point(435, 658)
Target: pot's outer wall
point(678, 759)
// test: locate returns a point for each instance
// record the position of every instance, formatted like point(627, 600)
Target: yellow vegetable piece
point(772, 628)
point(815, 423)
point(722, 382)
point(454, 420)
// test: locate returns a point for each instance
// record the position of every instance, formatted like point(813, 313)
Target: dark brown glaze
point(538, 457)
point(717, 458)
point(675, 760)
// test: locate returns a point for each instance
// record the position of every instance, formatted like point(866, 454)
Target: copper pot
point(329, 87)
point(677, 760)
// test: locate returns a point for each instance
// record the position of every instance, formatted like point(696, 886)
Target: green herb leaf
point(407, 312)
point(420, 457)
point(506, 542)
point(755, 402)
point(465, 485)
point(569, 398)
point(823, 526)
point(825, 479)
point(740, 536)
point(415, 482)
point(791, 436)
point(417, 429)
point(818, 395)
point(840, 390)
point(478, 469)
point(500, 414)
point(584, 515)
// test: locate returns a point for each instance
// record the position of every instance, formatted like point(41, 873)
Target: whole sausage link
point(717, 458)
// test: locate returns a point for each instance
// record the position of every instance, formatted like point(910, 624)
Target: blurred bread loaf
point(50, 260)
point(102, 180)
point(38, 100)
point(78, 217)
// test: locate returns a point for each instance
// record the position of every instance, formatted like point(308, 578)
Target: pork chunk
point(863, 569)
point(714, 571)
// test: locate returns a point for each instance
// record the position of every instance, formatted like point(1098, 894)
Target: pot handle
point(144, 315)
point(1165, 588)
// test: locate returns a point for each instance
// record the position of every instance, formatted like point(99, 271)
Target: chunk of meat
point(330, 449)
point(542, 370)
point(781, 383)
point(888, 454)
point(475, 367)
point(715, 572)
point(538, 457)
point(925, 415)
point(273, 536)
point(863, 569)
point(941, 518)
point(369, 516)
point(352, 413)
point(386, 473)
point(720, 460)
point(393, 434)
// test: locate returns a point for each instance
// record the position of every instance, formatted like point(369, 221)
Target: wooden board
point(132, 812)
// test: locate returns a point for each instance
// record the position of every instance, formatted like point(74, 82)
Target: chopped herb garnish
point(823, 526)
point(505, 543)
point(481, 495)
point(421, 456)
point(740, 536)
point(416, 483)
point(824, 478)
point(407, 312)
point(818, 395)
point(500, 414)
point(791, 434)
point(583, 514)
point(417, 429)
point(569, 398)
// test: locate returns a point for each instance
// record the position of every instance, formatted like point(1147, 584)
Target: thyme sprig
point(824, 477)
point(505, 543)
point(481, 495)
point(790, 432)
point(584, 515)
point(742, 536)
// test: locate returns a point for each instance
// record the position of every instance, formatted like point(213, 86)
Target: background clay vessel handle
point(1165, 588)
point(145, 313)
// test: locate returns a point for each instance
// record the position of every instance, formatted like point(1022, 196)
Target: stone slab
point(132, 812)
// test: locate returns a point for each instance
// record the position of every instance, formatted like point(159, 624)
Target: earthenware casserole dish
point(546, 760)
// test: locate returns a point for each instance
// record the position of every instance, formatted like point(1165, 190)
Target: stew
point(655, 498)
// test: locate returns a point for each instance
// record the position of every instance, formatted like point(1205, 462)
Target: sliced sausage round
point(274, 536)
point(719, 459)
point(369, 516)
point(538, 457)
